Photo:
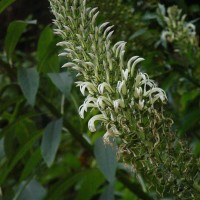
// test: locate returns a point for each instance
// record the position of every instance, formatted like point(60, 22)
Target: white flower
point(102, 102)
point(138, 79)
point(132, 59)
point(118, 103)
point(106, 86)
point(160, 95)
point(167, 36)
point(125, 74)
point(91, 124)
point(90, 102)
point(90, 87)
point(137, 92)
point(121, 87)
point(141, 104)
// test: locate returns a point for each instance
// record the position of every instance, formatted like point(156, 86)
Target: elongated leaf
point(189, 121)
point(31, 164)
point(45, 39)
point(2, 152)
point(63, 81)
point(106, 159)
point(4, 4)
point(57, 191)
point(47, 52)
point(14, 32)
point(22, 151)
point(138, 33)
point(51, 140)
point(30, 191)
point(91, 182)
point(28, 80)
point(108, 194)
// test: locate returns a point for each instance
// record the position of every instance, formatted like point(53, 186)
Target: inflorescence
point(128, 102)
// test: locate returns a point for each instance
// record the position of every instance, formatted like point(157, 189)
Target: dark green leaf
point(196, 148)
point(51, 140)
point(2, 152)
point(19, 155)
point(57, 191)
point(28, 80)
point(30, 191)
point(190, 121)
point(4, 4)
point(189, 97)
point(106, 159)
point(14, 32)
point(47, 52)
point(91, 182)
point(63, 81)
point(138, 33)
point(108, 194)
point(31, 164)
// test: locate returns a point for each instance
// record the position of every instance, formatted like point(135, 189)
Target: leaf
point(138, 33)
point(31, 164)
point(162, 9)
point(108, 194)
point(190, 120)
point(188, 97)
point(51, 140)
point(91, 182)
point(196, 148)
point(63, 81)
point(4, 4)
point(28, 80)
point(149, 16)
point(2, 152)
point(106, 159)
point(30, 191)
point(63, 185)
point(14, 32)
point(47, 52)
point(19, 155)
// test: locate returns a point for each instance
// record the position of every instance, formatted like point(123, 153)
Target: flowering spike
point(129, 104)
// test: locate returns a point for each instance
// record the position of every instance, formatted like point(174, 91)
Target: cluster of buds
point(129, 104)
point(176, 28)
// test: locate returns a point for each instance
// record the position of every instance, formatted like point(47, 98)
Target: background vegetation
point(46, 150)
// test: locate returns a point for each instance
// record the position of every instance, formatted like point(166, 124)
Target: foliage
point(47, 151)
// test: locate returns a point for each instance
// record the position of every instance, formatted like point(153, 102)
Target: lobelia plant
point(176, 28)
point(130, 105)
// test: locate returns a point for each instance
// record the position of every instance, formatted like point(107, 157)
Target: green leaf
point(196, 147)
point(51, 140)
point(2, 152)
point(19, 155)
point(108, 194)
point(190, 120)
point(106, 159)
point(30, 191)
point(14, 32)
point(63, 81)
point(138, 33)
point(4, 4)
point(188, 97)
point(47, 52)
point(31, 164)
point(162, 9)
point(91, 182)
point(28, 80)
point(63, 185)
